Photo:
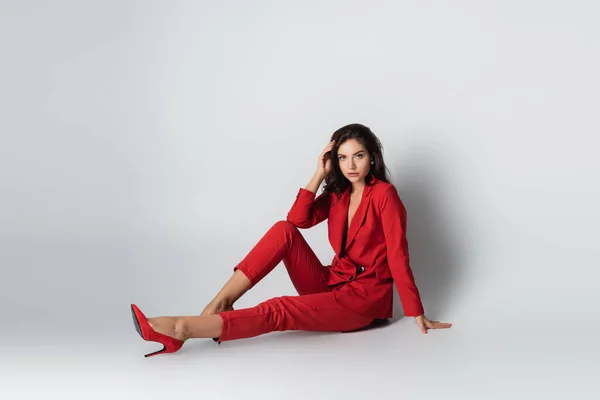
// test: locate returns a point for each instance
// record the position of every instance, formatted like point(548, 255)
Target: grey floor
point(493, 351)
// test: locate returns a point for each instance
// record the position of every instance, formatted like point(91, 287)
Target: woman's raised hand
point(324, 165)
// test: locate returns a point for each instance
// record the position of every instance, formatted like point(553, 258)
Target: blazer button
point(362, 269)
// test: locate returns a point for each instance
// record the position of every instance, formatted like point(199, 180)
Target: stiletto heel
point(156, 352)
point(170, 345)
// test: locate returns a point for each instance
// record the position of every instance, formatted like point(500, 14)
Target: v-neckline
point(349, 223)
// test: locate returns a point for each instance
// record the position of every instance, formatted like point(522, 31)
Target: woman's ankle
point(225, 303)
point(181, 330)
point(218, 304)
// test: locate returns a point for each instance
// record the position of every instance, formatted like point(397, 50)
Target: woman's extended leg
point(282, 242)
point(185, 327)
point(313, 312)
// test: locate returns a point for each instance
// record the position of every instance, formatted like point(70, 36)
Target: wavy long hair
point(335, 181)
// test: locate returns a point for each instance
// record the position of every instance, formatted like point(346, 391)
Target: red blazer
point(376, 251)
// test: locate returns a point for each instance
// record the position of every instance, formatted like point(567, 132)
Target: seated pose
point(367, 231)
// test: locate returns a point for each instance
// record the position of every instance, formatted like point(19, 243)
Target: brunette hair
point(335, 181)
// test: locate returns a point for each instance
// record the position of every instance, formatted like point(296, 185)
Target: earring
point(372, 162)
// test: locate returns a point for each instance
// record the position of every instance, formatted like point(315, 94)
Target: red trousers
point(316, 307)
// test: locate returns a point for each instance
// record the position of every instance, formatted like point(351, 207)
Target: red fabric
point(351, 291)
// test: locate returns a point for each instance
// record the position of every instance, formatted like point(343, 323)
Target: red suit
point(354, 289)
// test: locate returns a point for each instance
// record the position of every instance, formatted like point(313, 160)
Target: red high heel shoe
point(170, 345)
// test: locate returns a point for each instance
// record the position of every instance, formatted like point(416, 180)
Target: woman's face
point(354, 160)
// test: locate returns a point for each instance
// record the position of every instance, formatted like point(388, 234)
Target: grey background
point(146, 146)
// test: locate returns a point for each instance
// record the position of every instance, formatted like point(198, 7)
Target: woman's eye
point(359, 155)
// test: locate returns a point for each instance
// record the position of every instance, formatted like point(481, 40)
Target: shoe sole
point(136, 323)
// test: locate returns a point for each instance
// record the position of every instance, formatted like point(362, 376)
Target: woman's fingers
point(439, 325)
point(323, 161)
point(426, 324)
point(325, 150)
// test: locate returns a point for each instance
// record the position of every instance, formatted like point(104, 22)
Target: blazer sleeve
point(307, 211)
point(393, 220)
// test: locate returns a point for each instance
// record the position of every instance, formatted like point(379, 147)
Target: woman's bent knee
point(285, 226)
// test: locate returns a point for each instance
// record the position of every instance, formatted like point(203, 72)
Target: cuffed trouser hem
point(224, 328)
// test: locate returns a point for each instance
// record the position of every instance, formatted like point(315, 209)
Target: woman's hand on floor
point(425, 324)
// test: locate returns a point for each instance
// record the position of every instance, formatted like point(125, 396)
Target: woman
point(367, 231)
